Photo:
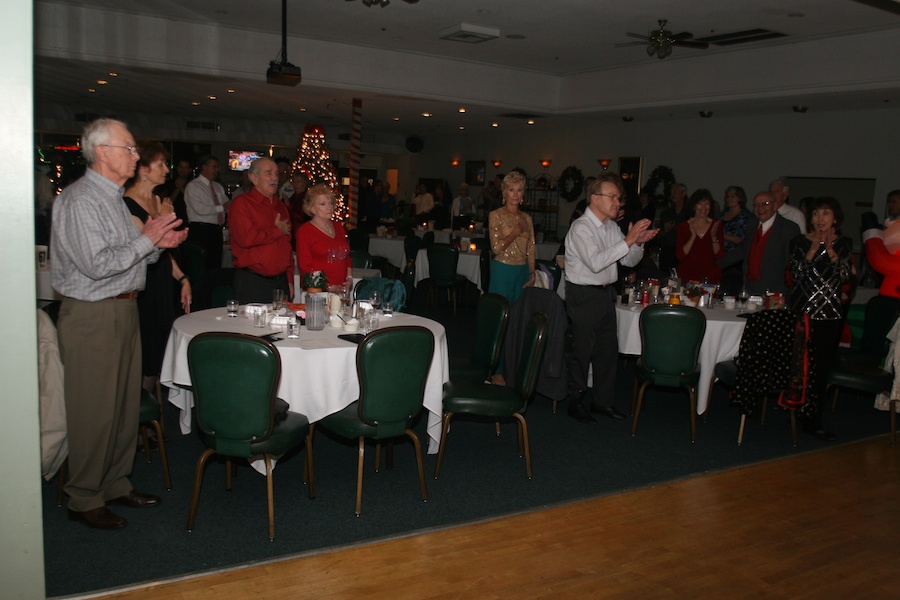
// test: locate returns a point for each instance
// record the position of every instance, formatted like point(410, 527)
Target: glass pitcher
point(315, 312)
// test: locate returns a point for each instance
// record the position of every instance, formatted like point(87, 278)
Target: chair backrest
point(358, 240)
point(411, 246)
point(670, 341)
point(428, 238)
point(235, 378)
point(881, 314)
point(553, 270)
point(491, 322)
point(193, 261)
point(392, 290)
point(533, 345)
point(360, 259)
point(764, 356)
point(442, 262)
point(392, 365)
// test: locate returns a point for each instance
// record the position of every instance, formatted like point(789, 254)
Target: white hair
point(97, 133)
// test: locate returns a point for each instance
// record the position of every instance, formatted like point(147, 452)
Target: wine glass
point(232, 307)
point(375, 298)
point(743, 296)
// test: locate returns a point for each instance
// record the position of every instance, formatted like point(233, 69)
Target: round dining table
point(318, 374)
point(721, 341)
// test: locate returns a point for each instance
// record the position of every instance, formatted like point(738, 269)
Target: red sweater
point(885, 263)
point(256, 242)
point(318, 252)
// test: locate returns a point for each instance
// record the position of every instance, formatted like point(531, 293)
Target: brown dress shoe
point(98, 518)
point(136, 499)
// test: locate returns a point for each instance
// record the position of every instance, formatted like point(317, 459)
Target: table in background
point(721, 341)
point(469, 266)
point(445, 236)
point(318, 375)
point(390, 248)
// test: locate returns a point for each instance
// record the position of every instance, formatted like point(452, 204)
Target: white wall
point(22, 550)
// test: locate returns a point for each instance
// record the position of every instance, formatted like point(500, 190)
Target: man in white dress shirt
point(462, 209)
point(781, 191)
point(206, 204)
point(594, 245)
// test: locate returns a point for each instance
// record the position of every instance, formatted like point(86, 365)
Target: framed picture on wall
point(630, 169)
point(475, 172)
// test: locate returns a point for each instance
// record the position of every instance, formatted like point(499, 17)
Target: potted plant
point(315, 281)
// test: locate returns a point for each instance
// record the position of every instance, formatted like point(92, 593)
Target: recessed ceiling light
point(195, 103)
point(515, 36)
point(230, 91)
point(211, 97)
point(461, 127)
point(495, 124)
point(530, 121)
point(396, 118)
point(301, 109)
point(111, 74)
point(462, 109)
point(427, 114)
point(102, 82)
point(91, 90)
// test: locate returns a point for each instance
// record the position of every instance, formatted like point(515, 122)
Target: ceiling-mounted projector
point(283, 73)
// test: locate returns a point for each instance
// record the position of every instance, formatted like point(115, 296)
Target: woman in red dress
point(699, 242)
point(321, 241)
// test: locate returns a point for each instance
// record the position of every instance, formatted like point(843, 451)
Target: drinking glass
point(743, 296)
point(370, 321)
point(277, 300)
point(388, 309)
point(260, 317)
point(375, 299)
point(232, 307)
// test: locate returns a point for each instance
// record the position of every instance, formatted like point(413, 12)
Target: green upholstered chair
point(442, 262)
point(491, 322)
point(499, 401)
point(360, 259)
point(151, 417)
point(862, 369)
point(392, 290)
point(670, 345)
point(392, 365)
point(235, 379)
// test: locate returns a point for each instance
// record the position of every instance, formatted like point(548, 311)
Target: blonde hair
point(315, 191)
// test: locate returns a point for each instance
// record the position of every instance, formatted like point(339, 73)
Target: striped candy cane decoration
point(355, 137)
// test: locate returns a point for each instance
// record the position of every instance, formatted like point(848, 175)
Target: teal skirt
point(508, 280)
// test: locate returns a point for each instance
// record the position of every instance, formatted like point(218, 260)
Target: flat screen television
point(239, 160)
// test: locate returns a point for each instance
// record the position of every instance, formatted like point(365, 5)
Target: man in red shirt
point(260, 226)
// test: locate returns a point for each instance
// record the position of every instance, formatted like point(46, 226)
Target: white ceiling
point(561, 39)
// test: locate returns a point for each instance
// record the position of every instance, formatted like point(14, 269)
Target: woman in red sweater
point(321, 242)
point(699, 242)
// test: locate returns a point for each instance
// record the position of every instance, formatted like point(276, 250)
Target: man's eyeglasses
point(766, 203)
point(613, 196)
point(131, 149)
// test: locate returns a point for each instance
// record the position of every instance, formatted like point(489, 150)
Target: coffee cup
point(730, 302)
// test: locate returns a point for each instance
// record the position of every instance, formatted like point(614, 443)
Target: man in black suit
point(765, 248)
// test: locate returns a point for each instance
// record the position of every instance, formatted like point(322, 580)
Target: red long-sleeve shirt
point(256, 242)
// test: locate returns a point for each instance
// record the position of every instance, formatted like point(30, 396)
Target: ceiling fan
point(660, 41)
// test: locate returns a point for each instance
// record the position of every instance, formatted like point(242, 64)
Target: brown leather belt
point(127, 296)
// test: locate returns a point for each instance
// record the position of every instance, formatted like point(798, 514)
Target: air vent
point(206, 125)
point(470, 34)
point(740, 37)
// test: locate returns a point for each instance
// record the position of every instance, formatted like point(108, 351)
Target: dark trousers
point(595, 344)
point(210, 237)
point(253, 287)
point(824, 339)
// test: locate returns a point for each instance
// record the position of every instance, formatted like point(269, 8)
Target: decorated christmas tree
point(314, 159)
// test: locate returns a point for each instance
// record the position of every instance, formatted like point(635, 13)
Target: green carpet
point(482, 477)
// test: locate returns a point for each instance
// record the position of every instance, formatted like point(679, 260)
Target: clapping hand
point(640, 232)
point(161, 231)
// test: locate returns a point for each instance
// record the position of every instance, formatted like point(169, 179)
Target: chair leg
point(162, 414)
point(229, 473)
point(145, 440)
point(892, 406)
point(497, 427)
point(359, 474)
point(309, 472)
point(692, 393)
point(794, 427)
point(445, 431)
point(270, 496)
point(164, 458)
point(765, 408)
point(637, 406)
point(519, 439)
point(634, 394)
point(198, 480)
point(377, 456)
point(741, 429)
point(421, 467)
point(554, 406)
point(524, 427)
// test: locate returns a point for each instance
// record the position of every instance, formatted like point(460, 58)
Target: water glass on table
point(232, 307)
point(260, 317)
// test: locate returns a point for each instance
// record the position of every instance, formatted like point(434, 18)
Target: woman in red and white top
point(321, 241)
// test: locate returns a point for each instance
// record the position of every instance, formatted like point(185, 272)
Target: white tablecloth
point(469, 266)
point(318, 375)
point(389, 248)
point(724, 329)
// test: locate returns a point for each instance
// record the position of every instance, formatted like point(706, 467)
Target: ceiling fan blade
point(690, 44)
point(684, 35)
point(638, 36)
point(623, 44)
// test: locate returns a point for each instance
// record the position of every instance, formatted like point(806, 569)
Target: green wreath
point(570, 183)
point(661, 174)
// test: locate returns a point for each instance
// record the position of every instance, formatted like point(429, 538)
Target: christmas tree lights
point(314, 160)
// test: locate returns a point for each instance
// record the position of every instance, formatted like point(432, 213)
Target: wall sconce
point(454, 163)
point(546, 163)
point(604, 162)
point(497, 163)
